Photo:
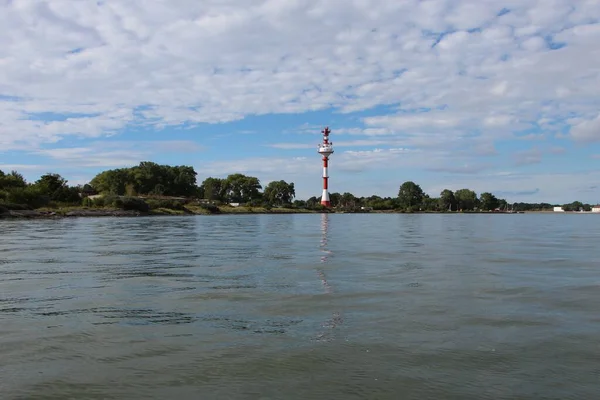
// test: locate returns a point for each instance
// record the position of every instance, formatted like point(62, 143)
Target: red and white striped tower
point(325, 149)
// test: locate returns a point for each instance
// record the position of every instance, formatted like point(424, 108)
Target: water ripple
point(300, 306)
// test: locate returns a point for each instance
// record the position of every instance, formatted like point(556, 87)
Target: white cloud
point(527, 157)
point(163, 63)
point(587, 131)
point(20, 167)
point(557, 150)
point(91, 157)
point(112, 154)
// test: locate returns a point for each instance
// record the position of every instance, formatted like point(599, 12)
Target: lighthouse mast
point(325, 150)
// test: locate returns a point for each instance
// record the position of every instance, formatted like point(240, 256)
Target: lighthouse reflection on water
point(336, 318)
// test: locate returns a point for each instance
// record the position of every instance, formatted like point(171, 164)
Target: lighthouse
point(325, 150)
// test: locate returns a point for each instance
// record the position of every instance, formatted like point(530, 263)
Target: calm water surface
point(301, 307)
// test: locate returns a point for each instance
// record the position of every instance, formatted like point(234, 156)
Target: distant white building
point(558, 209)
point(596, 209)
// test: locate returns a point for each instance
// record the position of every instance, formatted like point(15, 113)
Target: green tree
point(466, 199)
point(312, 202)
point(213, 189)
point(299, 204)
point(11, 180)
point(502, 204)
point(431, 203)
point(147, 176)
point(279, 192)
point(55, 188)
point(242, 189)
point(574, 206)
point(112, 181)
point(447, 200)
point(30, 195)
point(184, 181)
point(334, 198)
point(348, 200)
point(410, 195)
point(50, 183)
point(488, 201)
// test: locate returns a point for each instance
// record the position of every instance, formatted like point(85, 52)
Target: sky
point(490, 95)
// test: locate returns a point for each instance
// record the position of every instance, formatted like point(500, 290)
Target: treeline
point(150, 185)
point(151, 179)
point(16, 193)
point(143, 187)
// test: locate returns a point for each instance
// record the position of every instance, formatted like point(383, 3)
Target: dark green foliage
point(488, 201)
point(120, 202)
point(240, 188)
point(50, 183)
point(213, 189)
point(13, 206)
point(100, 202)
point(334, 199)
point(213, 209)
point(30, 195)
point(532, 206)
point(257, 203)
point(312, 202)
point(431, 204)
point(132, 204)
point(299, 204)
point(54, 187)
point(147, 178)
point(11, 180)
point(447, 200)
point(171, 204)
point(111, 182)
point(279, 193)
point(466, 199)
point(348, 201)
point(410, 195)
point(320, 207)
point(236, 188)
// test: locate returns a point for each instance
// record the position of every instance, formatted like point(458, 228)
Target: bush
point(166, 203)
point(133, 204)
point(30, 196)
point(14, 206)
point(210, 208)
point(123, 203)
point(98, 202)
point(318, 207)
point(66, 195)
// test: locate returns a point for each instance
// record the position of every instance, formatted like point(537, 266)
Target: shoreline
point(90, 212)
point(107, 212)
